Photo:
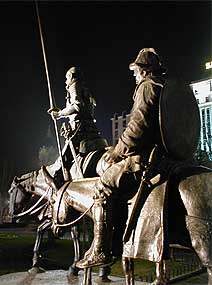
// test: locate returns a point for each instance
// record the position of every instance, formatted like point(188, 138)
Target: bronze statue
point(152, 162)
point(192, 184)
point(131, 154)
point(81, 133)
point(30, 198)
point(159, 166)
point(82, 138)
point(24, 206)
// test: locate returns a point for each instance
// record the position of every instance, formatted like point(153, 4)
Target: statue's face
point(68, 81)
point(137, 73)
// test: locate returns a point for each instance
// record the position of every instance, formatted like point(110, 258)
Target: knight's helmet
point(75, 73)
point(149, 60)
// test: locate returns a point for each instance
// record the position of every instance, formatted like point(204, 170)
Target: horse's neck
point(35, 184)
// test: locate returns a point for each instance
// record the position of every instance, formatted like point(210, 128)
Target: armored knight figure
point(131, 154)
point(79, 110)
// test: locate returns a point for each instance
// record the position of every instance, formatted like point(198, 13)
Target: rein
point(32, 209)
point(56, 225)
point(39, 208)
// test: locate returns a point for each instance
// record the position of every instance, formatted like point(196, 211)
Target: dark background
point(102, 38)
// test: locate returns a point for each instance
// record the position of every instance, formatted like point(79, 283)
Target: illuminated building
point(119, 123)
point(202, 90)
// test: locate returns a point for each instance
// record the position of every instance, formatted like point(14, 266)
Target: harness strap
point(74, 221)
point(33, 207)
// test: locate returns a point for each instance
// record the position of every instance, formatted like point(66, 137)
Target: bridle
point(32, 210)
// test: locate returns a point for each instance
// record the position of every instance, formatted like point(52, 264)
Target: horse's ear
point(15, 179)
point(14, 182)
point(18, 180)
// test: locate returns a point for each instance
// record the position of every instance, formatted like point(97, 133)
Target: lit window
point(208, 65)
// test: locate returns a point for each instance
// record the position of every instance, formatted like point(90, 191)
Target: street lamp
point(208, 65)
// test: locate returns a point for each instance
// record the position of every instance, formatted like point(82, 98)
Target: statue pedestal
point(56, 277)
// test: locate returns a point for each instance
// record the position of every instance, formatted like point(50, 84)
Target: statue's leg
point(200, 230)
point(104, 271)
point(128, 268)
point(161, 273)
point(73, 270)
point(37, 257)
point(96, 256)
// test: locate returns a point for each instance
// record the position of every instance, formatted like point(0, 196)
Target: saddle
point(87, 164)
point(157, 225)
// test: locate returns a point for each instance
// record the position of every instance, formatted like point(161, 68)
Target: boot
point(96, 256)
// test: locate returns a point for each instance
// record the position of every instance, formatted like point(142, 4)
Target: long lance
point(51, 99)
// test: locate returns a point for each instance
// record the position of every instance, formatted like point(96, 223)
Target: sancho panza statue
point(133, 149)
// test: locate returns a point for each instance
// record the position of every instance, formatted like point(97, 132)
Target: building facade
point(202, 90)
point(119, 123)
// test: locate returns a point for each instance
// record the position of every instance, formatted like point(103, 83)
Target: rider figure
point(131, 153)
point(79, 110)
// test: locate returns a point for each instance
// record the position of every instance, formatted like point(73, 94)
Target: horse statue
point(178, 211)
point(29, 198)
point(22, 205)
point(149, 234)
point(188, 186)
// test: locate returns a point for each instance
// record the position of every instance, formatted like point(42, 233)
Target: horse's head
point(18, 196)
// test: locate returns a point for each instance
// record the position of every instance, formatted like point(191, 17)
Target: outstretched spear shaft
point(51, 98)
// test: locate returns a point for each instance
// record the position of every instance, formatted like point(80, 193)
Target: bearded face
point(138, 74)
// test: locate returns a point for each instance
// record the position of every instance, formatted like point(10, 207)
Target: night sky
point(100, 37)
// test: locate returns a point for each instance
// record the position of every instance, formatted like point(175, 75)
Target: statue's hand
point(112, 156)
point(55, 113)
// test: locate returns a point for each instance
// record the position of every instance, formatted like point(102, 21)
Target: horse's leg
point(161, 273)
point(209, 270)
point(73, 270)
point(36, 257)
point(128, 268)
point(104, 272)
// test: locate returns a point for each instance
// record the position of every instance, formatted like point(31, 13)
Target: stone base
point(55, 277)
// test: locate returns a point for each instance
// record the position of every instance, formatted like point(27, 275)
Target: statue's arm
point(143, 119)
